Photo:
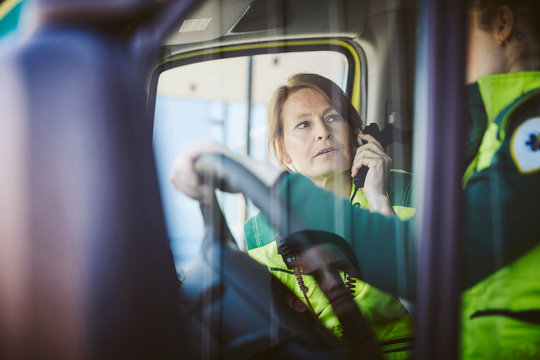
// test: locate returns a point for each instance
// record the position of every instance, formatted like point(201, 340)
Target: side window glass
point(225, 100)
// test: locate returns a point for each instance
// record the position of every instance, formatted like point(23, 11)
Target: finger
point(371, 161)
point(371, 146)
point(371, 153)
point(386, 160)
point(370, 139)
point(383, 159)
point(367, 162)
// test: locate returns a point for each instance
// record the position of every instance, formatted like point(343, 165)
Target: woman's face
point(316, 139)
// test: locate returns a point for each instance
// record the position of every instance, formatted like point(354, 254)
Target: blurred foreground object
point(85, 266)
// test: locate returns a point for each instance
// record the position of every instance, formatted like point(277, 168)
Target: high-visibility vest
point(390, 321)
point(501, 314)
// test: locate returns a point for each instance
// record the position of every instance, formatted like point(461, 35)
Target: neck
point(531, 63)
point(338, 183)
point(523, 55)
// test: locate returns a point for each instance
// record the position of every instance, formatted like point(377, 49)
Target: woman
point(314, 131)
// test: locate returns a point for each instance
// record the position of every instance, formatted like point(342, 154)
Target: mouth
point(325, 151)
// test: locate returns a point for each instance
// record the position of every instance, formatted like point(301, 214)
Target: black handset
point(373, 130)
point(288, 256)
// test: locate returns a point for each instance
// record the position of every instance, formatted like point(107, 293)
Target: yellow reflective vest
point(501, 314)
point(390, 321)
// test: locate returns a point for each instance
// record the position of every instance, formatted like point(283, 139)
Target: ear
point(285, 157)
point(503, 24)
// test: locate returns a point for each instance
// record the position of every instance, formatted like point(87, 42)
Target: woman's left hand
point(379, 163)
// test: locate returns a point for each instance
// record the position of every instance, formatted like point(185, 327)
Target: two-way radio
point(360, 178)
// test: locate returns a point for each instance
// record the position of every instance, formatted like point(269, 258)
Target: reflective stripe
point(530, 316)
point(282, 270)
point(488, 148)
point(396, 341)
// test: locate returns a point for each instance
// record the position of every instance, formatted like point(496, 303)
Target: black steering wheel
point(220, 253)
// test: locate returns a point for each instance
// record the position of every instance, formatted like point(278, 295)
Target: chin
point(330, 172)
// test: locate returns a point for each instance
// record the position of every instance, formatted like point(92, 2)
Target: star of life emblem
point(525, 146)
point(534, 141)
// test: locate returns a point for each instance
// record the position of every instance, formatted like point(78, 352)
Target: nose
point(323, 131)
point(329, 280)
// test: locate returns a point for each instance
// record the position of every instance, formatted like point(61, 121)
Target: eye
point(302, 125)
point(333, 117)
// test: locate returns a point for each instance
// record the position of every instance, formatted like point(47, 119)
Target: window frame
point(356, 77)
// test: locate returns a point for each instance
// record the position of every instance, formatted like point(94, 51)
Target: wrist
point(379, 203)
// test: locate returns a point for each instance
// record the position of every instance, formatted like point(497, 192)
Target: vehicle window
point(223, 99)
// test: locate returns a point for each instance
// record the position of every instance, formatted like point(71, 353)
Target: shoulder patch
point(525, 146)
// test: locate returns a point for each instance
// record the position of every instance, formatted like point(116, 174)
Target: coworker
point(314, 131)
point(501, 291)
point(501, 313)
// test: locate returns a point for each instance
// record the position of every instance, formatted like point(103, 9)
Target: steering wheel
point(219, 252)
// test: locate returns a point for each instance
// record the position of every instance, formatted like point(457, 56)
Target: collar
point(500, 90)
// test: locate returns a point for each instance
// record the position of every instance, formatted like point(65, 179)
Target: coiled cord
point(350, 282)
point(303, 288)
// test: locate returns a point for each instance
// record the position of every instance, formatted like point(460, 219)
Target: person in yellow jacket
point(314, 130)
point(501, 313)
